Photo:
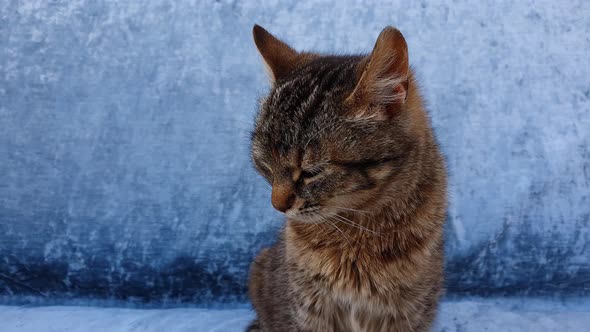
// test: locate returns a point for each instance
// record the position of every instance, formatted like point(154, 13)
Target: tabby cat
point(347, 146)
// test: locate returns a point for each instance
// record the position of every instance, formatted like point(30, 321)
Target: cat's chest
point(341, 310)
point(341, 278)
point(345, 274)
point(351, 297)
point(361, 319)
point(358, 317)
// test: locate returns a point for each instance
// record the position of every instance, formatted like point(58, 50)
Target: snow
point(457, 315)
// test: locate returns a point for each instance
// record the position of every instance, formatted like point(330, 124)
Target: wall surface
point(124, 165)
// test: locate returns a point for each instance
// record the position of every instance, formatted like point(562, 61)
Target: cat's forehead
point(305, 106)
point(313, 89)
point(313, 83)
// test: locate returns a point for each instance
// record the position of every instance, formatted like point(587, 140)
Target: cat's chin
point(305, 218)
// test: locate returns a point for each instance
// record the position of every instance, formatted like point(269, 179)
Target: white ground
point(473, 314)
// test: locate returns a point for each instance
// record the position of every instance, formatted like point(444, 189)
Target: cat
point(354, 165)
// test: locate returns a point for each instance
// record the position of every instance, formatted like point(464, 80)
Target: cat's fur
point(348, 148)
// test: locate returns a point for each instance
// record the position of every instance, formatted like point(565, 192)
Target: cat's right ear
point(279, 58)
point(383, 86)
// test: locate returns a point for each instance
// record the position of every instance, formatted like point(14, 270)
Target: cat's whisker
point(347, 221)
point(341, 232)
point(366, 213)
point(354, 224)
point(337, 228)
point(319, 223)
point(314, 221)
point(347, 209)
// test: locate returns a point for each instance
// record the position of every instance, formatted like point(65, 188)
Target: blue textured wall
point(124, 168)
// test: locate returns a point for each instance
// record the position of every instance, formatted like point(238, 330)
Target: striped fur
point(346, 140)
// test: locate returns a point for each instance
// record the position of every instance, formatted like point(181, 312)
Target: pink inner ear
point(401, 90)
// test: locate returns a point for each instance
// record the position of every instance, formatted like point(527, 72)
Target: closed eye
point(263, 168)
point(312, 172)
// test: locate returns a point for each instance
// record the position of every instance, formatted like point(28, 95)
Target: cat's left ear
point(280, 59)
point(383, 84)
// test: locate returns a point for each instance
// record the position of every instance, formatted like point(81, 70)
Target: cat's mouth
point(316, 214)
point(312, 214)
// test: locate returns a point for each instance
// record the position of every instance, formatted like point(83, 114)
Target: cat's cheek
point(355, 196)
point(381, 173)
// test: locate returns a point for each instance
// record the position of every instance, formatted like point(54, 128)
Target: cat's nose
point(282, 196)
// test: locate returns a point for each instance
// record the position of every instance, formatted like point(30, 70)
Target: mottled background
point(125, 174)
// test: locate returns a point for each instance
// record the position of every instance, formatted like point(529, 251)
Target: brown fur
point(362, 249)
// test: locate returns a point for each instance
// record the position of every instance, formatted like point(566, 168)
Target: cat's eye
point(310, 173)
point(263, 168)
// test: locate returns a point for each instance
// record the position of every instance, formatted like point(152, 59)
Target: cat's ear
point(383, 84)
point(279, 58)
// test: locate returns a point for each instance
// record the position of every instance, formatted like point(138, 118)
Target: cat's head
point(335, 134)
